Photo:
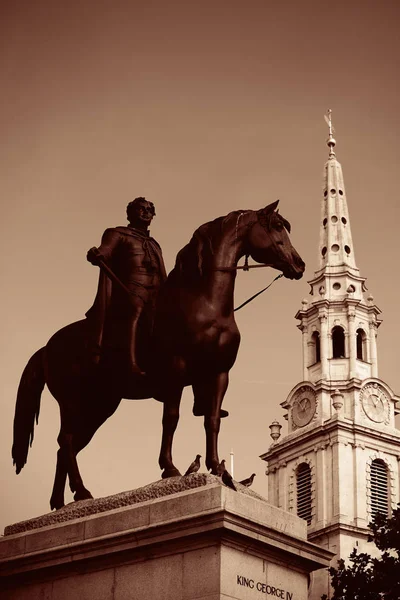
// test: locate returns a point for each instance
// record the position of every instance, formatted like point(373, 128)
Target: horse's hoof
point(56, 505)
point(213, 468)
point(83, 495)
point(170, 473)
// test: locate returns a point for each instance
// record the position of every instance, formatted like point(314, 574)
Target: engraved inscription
point(264, 588)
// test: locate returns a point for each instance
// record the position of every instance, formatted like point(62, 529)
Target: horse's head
point(268, 242)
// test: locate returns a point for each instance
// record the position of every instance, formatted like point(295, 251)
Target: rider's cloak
point(153, 263)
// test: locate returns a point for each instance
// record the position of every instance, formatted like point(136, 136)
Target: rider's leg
point(133, 335)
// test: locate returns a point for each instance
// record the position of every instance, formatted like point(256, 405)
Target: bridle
point(247, 267)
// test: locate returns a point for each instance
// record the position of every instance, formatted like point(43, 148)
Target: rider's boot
point(199, 411)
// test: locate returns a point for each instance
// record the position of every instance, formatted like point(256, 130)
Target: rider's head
point(140, 212)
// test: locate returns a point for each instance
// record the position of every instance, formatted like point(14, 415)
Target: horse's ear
point(270, 208)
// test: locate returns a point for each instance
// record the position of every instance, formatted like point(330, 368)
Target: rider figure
point(136, 260)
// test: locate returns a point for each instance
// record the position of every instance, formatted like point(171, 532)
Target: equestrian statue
point(148, 335)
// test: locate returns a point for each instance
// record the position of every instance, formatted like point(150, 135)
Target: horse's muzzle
point(296, 270)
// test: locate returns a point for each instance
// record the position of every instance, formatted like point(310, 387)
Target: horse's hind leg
point(211, 392)
point(67, 465)
point(69, 448)
point(57, 496)
point(172, 402)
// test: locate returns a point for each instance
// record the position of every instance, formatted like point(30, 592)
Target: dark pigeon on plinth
point(247, 482)
point(195, 466)
point(227, 480)
point(221, 468)
point(225, 475)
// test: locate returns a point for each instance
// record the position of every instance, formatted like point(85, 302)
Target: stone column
point(324, 341)
point(282, 500)
point(372, 347)
point(360, 485)
point(352, 345)
point(320, 484)
point(304, 331)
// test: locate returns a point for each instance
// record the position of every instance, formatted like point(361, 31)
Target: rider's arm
point(104, 252)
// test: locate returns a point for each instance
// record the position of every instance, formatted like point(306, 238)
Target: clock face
point(374, 402)
point(304, 406)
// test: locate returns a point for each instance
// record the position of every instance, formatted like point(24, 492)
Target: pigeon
point(247, 482)
point(225, 476)
point(221, 468)
point(227, 480)
point(195, 466)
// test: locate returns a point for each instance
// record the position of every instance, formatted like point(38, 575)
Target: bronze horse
point(194, 342)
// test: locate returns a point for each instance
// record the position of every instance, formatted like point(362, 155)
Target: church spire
point(339, 325)
point(336, 252)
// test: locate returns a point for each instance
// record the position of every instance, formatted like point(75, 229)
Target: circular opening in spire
point(334, 219)
point(325, 193)
point(351, 289)
point(336, 285)
point(341, 192)
point(344, 220)
point(335, 248)
point(347, 249)
point(323, 251)
point(324, 222)
point(333, 191)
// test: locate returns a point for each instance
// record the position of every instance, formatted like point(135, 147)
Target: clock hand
point(304, 404)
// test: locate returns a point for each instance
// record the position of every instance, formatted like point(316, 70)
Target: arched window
point(316, 346)
point(303, 485)
point(379, 487)
point(361, 340)
point(338, 342)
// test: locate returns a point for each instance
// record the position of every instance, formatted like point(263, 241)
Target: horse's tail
point(27, 408)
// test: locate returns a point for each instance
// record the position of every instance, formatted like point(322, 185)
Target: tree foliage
point(367, 578)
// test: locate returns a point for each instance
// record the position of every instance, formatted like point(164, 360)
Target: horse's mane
point(193, 257)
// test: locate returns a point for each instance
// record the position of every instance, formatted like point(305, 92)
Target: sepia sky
point(204, 108)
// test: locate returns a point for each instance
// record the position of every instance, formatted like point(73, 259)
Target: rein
point(247, 267)
point(260, 292)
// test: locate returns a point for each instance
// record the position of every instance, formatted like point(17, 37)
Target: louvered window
point(379, 488)
point(303, 480)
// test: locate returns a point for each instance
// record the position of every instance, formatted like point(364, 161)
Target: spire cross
point(330, 141)
point(328, 118)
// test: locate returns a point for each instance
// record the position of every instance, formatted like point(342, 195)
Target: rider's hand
point(93, 256)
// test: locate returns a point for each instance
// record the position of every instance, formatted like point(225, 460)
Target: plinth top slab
point(152, 491)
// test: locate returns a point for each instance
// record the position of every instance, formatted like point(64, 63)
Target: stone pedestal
point(204, 542)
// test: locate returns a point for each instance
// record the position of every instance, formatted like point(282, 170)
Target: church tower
point(339, 462)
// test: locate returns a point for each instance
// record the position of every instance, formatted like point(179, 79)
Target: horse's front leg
point(214, 389)
point(172, 400)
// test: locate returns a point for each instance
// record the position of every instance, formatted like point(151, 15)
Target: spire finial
point(331, 142)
